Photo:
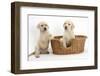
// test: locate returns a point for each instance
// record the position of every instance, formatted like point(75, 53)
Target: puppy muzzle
point(45, 29)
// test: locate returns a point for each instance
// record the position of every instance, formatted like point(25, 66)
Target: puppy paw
point(37, 56)
point(51, 37)
point(61, 39)
point(64, 46)
point(47, 52)
point(73, 37)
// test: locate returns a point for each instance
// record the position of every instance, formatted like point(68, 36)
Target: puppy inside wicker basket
point(69, 43)
point(68, 35)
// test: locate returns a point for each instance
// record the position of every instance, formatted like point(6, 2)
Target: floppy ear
point(38, 26)
point(72, 27)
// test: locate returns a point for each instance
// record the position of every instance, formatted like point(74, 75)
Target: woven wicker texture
point(77, 45)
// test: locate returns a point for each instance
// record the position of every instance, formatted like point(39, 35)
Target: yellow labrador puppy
point(68, 33)
point(43, 41)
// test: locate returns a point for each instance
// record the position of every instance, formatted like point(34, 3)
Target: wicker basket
point(77, 45)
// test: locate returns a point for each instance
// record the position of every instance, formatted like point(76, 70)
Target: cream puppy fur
point(43, 41)
point(68, 33)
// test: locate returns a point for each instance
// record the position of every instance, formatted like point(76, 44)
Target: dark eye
point(45, 24)
point(42, 25)
point(68, 23)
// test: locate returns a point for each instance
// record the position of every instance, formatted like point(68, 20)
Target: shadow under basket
point(77, 45)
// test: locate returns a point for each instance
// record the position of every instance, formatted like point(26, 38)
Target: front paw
point(37, 56)
point(47, 52)
point(64, 45)
point(61, 39)
point(73, 37)
point(44, 52)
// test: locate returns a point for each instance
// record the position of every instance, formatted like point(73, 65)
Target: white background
point(84, 25)
point(5, 32)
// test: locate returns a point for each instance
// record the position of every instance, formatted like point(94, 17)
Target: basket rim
point(82, 36)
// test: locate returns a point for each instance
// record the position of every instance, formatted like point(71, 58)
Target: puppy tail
point(31, 54)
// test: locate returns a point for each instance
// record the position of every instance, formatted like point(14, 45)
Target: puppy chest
point(43, 44)
point(68, 36)
point(44, 38)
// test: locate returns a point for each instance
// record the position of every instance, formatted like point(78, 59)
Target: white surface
point(84, 25)
point(5, 50)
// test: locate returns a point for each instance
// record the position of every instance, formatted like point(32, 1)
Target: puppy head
point(43, 26)
point(68, 25)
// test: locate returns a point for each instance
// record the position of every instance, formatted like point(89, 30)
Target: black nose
point(45, 28)
point(65, 27)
